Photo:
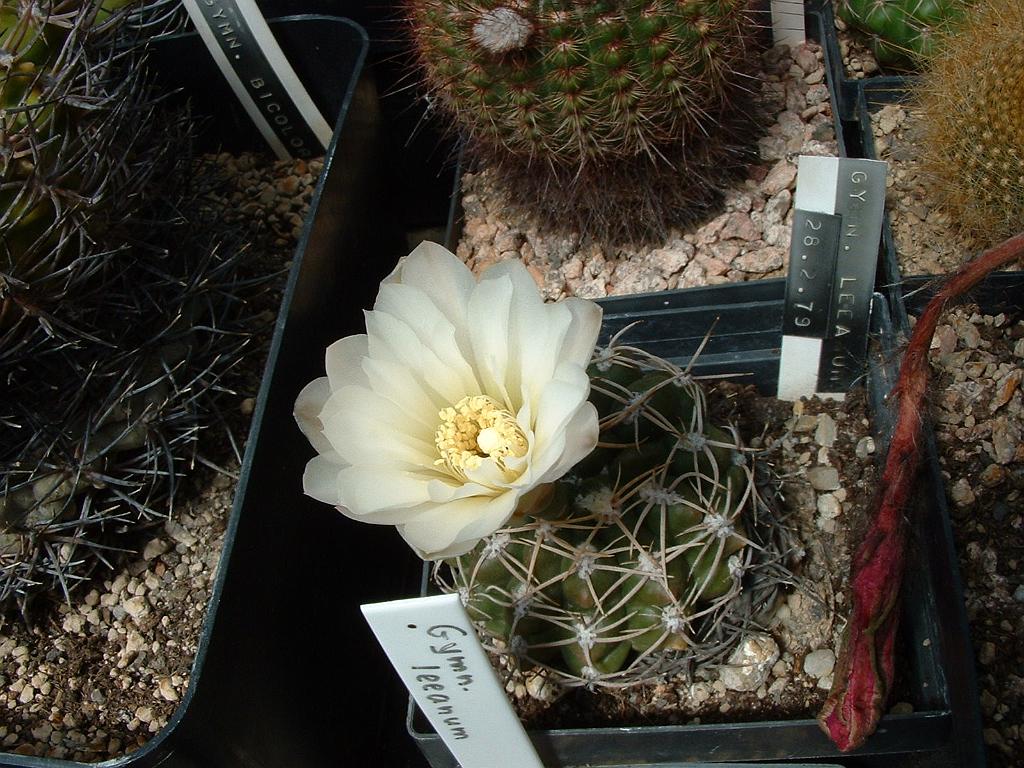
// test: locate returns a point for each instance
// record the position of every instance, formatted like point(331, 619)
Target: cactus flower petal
point(461, 398)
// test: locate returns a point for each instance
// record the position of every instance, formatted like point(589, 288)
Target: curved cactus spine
point(651, 557)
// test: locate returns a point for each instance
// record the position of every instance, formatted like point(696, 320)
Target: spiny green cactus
point(972, 126)
point(648, 558)
point(589, 99)
point(903, 33)
point(571, 80)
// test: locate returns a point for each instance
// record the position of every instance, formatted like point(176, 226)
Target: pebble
point(778, 206)
point(154, 549)
point(750, 664)
point(700, 692)
point(825, 434)
point(864, 448)
point(962, 493)
point(540, 688)
point(823, 478)
point(780, 177)
point(136, 607)
point(179, 533)
point(820, 663)
point(1006, 439)
point(805, 423)
point(829, 506)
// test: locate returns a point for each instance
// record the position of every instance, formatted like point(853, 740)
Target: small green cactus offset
point(972, 127)
point(583, 98)
point(651, 557)
point(902, 33)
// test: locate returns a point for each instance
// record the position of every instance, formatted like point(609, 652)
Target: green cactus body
point(573, 80)
point(902, 33)
point(972, 126)
point(636, 559)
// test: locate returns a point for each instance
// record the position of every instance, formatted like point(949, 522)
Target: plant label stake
point(252, 62)
point(833, 252)
point(432, 644)
point(788, 22)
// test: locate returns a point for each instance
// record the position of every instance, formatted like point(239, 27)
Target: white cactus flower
point(460, 398)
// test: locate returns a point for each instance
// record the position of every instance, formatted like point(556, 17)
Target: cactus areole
point(572, 81)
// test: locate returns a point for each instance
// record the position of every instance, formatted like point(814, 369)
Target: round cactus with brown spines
point(653, 555)
point(972, 133)
point(576, 81)
point(585, 97)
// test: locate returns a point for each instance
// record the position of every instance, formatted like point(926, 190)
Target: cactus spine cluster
point(590, 93)
point(902, 33)
point(103, 377)
point(972, 124)
point(650, 558)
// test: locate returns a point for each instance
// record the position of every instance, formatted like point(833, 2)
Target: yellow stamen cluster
point(474, 429)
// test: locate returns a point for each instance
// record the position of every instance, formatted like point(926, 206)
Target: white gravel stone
point(820, 663)
point(823, 478)
point(777, 207)
point(825, 434)
point(829, 506)
point(179, 533)
point(962, 493)
point(136, 607)
point(865, 447)
point(154, 549)
point(750, 664)
point(780, 177)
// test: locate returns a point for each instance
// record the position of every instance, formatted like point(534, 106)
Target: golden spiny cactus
point(973, 123)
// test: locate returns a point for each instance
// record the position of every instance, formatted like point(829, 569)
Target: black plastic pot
point(936, 673)
point(241, 706)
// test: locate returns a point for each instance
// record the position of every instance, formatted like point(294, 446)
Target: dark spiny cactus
point(112, 341)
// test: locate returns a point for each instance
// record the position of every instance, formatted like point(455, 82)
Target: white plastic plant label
point(431, 643)
point(788, 22)
point(837, 225)
point(258, 72)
